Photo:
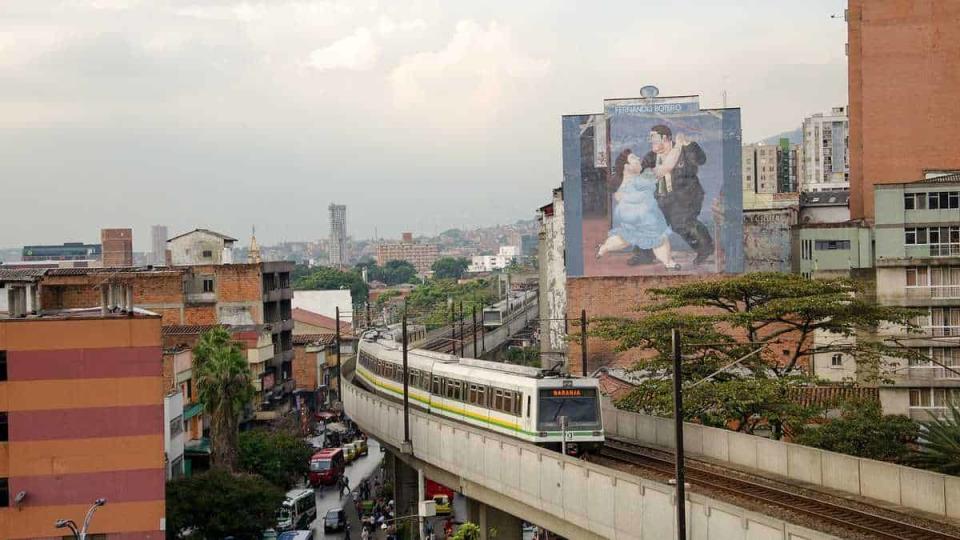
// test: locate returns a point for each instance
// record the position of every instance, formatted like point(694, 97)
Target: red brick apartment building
point(903, 83)
point(82, 418)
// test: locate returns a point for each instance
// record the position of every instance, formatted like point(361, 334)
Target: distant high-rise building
point(158, 253)
point(760, 168)
point(338, 234)
point(826, 154)
point(117, 247)
point(69, 251)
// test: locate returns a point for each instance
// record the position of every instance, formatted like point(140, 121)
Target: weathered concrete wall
point(563, 494)
point(905, 486)
point(553, 287)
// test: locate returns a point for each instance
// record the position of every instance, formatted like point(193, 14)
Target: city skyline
point(201, 115)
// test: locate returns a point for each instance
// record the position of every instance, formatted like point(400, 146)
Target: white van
point(298, 510)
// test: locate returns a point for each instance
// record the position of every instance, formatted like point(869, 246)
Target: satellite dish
point(649, 91)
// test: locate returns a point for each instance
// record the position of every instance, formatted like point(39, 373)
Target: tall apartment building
point(760, 168)
point(826, 153)
point(117, 247)
point(158, 245)
point(902, 80)
point(912, 253)
point(82, 419)
point(421, 256)
point(917, 238)
point(338, 235)
point(789, 159)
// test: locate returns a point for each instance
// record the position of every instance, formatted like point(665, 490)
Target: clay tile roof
point(316, 319)
point(187, 329)
point(308, 339)
point(21, 274)
point(612, 386)
point(831, 395)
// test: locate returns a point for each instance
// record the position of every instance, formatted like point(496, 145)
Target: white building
point(201, 246)
point(489, 263)
point(826, 156)
point(326, 303)
point(173, 433)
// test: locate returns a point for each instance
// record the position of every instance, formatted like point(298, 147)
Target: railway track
point(864, 523)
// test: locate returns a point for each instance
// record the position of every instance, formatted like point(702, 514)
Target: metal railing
point(934, 292)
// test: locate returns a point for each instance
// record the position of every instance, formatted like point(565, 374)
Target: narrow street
point(328, 498)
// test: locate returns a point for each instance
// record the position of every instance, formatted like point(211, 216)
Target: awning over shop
point(192, 410)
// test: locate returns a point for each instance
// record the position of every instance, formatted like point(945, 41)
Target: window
point(208, 285)
point(176, 467)
point(207, 254)
point(4, 493)
point(836, 360)
point(528, 406)
point(507, 402)
point(917, 276)
point(437, 381)
point(3, 365)
point(824, 245)
point(498, 400)
point(176, 426)
point(908, 201)
point(910, 236)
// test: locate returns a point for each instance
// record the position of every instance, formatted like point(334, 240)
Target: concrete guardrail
point(904, 486)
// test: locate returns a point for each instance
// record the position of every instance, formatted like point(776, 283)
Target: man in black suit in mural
point(675, 160)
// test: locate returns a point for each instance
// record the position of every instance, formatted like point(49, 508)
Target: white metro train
point(518, 401)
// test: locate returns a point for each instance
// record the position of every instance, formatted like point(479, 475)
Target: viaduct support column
point(406, 489)
point(493, 522)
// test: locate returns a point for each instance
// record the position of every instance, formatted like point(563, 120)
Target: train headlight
point(597, 433)
point(542, 434)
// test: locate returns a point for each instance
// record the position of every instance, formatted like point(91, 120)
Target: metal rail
point(850, 519)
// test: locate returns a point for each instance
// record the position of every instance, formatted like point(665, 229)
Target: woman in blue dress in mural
point(637, 219)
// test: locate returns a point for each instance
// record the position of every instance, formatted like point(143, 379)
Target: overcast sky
point(417, 114)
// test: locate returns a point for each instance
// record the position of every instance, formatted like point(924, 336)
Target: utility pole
point(678, 435)
point(583, 340)
point(475, 331)
point(463, 335)
point(453, 328)
point(406, 381)
point(369, 318)
point(336, 339)
point(483, 332)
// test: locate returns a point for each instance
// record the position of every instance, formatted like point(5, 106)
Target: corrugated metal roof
point(832, 395)
point(114, 270)
point(947, 178)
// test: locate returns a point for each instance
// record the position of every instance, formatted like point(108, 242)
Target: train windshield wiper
point(560, 408)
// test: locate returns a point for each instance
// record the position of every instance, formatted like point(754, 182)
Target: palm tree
point(224, 384)
point(940, 444)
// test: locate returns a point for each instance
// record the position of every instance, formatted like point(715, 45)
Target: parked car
point(350, 452)
point(296, 535)
point(362, 448)
point(335, 520)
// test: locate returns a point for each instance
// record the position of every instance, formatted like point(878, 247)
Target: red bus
point(326, 467)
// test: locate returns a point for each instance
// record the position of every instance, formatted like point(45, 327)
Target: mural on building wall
point(652, 186)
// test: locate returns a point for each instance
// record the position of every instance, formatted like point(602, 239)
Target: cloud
point(387, 26)
point(357, 52)
point(478, 64)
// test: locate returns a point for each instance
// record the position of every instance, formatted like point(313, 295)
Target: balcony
point(940, 331)
point(932, 251)
point(259, 355)
point(933, 373)
point(201, 298)
point(934, 292)
point(276, 295)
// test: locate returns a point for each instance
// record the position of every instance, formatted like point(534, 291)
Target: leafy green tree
point(225, 387)
point(280, 457)
point(327, 279)
point(524, 356)
point(430, 302)
point(449, 267)
point(467, 531)
point(397, 272)
point(863, 430)
point(939, 444)
point(218, 504)
point(736, 335)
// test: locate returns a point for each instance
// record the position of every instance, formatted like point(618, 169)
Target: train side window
point(508, 402)
point(437, 386)
point(498, 400)
point(482, 396)
point(472, 394)
point(528, 406)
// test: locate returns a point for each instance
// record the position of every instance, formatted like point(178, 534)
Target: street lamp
point(69, 524)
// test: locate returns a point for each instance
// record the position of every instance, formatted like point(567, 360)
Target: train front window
point(579, 405)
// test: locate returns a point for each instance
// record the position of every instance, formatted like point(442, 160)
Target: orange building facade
point(81, 395)
point(903, 81)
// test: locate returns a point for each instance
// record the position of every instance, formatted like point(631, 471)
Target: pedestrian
point(364, 534)
point(346, 531)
